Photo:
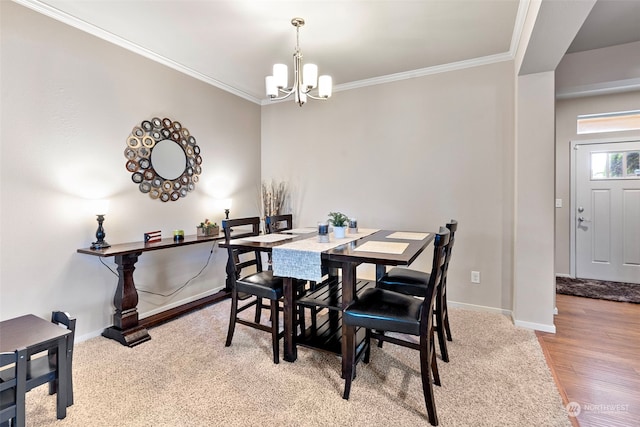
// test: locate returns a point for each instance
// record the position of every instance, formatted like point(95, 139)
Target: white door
point(607, 211)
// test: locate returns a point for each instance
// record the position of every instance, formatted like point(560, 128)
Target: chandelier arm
point(278, 98)
point(316, 97)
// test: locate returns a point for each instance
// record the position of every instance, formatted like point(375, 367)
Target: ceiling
point(233, 44)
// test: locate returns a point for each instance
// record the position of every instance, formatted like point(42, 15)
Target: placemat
point(305, 230)
point(407, 235)
point(382, 247)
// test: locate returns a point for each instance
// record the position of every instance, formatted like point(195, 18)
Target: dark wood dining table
point(346, 257)
point(38, 335)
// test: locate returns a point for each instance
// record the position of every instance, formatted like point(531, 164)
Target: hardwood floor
point(595, 359)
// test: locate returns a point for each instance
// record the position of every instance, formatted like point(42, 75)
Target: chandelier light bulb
point(309, 76)
point(281, 75)
point(324, 87)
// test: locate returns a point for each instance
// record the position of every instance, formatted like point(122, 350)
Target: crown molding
point(124, 43)
point(65, 18)
point(606, 88)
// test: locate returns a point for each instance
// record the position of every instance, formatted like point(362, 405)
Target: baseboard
point(479, 308)
point(179, 303)
point(568, 276)
point(504, 312)
point(152, 313)
point(535, 326)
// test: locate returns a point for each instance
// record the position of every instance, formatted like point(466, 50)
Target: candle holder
point(323, 232)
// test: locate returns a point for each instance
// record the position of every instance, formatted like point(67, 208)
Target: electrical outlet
point(558, 203)
point(475, 277)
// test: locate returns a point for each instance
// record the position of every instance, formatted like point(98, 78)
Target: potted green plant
point(339, 222)
point(208, 228)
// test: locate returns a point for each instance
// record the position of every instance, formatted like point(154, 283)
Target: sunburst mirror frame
point(140, 145)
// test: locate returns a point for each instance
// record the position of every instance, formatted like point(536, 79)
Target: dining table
point(301, 254)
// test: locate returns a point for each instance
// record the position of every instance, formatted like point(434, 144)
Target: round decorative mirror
point(163, 159)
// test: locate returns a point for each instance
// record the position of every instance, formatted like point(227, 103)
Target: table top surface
point(28, 331)
point(348, 252)
point(138, 247)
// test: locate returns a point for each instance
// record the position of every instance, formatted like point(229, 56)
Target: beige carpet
point(185, 376)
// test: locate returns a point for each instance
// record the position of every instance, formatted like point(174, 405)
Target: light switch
point(558, 203)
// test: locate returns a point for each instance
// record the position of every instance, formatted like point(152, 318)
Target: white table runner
point(302, 259)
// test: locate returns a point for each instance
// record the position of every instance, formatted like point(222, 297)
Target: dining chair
point(390, 311)
point(13, 390)
point(276, 223)
point(414, 282)
point(254, 286)
point(44, 369)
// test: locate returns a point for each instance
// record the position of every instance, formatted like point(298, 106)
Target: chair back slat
point(238, 259)
point(452, 226)
point(275, 223)
point(437, 269)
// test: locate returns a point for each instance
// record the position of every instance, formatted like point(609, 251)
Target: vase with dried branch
point(274, 197)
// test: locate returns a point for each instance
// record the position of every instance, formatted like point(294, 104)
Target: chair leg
point(274, 331)
point(301, 320)
point(350, 356)
point(367, 342)
point(232, 317)
point(434, 365)
point(258, 310)
point(426, 351)
point(442, 341)
point(439, 325)
point(380, 341)
point(446, 321)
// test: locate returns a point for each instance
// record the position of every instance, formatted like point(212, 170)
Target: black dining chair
point(276, 223)
point(258, 285)
point(44, 369)
point(414, 282)
point(384, 310)
point(13, 390)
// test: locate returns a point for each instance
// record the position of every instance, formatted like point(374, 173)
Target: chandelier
point(305, 79)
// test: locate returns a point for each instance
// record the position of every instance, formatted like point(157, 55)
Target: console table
point(127, 329)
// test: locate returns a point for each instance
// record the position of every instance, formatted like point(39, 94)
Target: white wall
point(599, 71)
point(410, 155)
point(534, 290)
point(567, 112)
point(69, 102)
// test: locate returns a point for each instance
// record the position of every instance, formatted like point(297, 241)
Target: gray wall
point(69, 102)
point(411, 155)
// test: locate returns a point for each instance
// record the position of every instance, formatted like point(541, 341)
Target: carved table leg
point(126, 328)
